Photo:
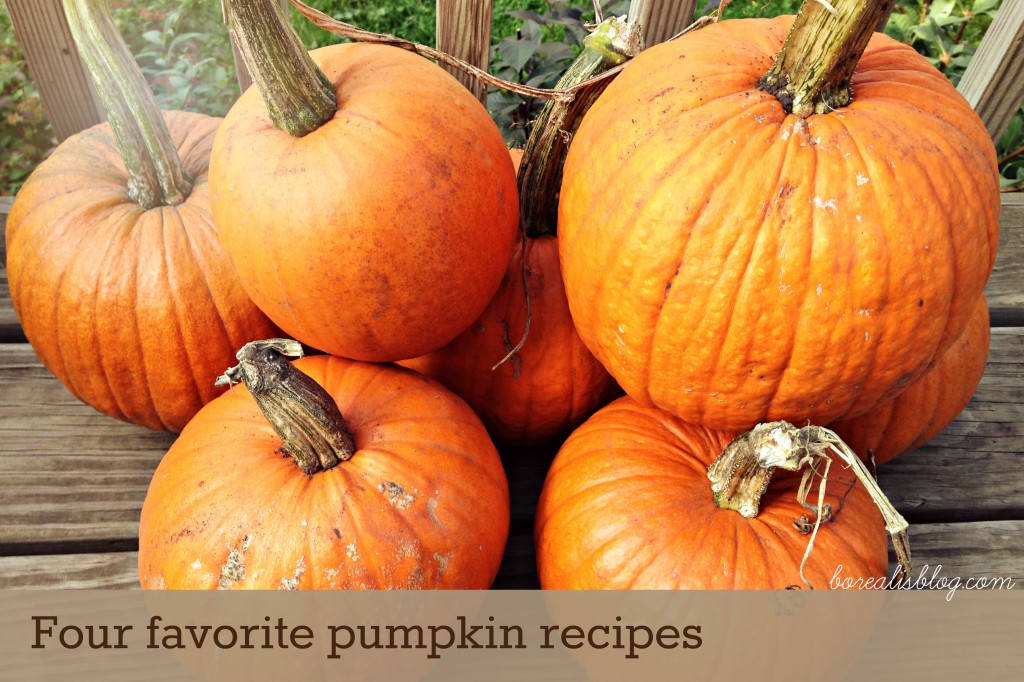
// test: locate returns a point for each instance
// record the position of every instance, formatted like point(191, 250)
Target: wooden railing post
point(464, 31)
point(64, 85)
point(994, 80)
point(662, 19)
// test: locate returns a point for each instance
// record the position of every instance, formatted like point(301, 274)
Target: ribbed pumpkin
point(550, 384)
point(422, 503)
point(380, 234)
point(732, 263)
point(627, 505)
point(928, 406)
point(129, 300)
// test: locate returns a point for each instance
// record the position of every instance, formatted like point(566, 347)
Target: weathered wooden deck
point(72, 481)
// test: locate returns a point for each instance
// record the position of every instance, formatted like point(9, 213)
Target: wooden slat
point(64, 85)
point(108, 570)
point(971, 471)
point(1005, 288)
point(70, 477)
point(464, 31)
point(994, 80)
point(663, 19)
point(984, 549)
point(989, 549)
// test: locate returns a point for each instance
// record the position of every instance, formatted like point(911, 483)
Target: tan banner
point(516, 635)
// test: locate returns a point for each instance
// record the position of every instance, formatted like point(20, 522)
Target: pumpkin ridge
point(811, 228)
point(139, 240)
point(715, 363)
point(173, 302)
point(844, 238)
point(119, 234)
point(950, 230)
point(200, 265)
point(693, 219)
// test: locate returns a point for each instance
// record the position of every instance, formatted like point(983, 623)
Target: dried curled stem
point(741, 474)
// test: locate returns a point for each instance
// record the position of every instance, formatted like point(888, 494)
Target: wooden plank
point(989, 549)
point(110, 570)
point(1005, 288)
point(994, 80)
point(971, 471)
point(662, 19)
point(984, 549)
point(70, 477)
point(64, 85)
point(464, 31)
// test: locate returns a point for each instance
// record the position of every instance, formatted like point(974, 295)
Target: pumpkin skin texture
point(135, 311)
point(552, 383)
point(627, 504)
point(423, 503)
point(382, 234)
point(927, 407)
point(733, 264)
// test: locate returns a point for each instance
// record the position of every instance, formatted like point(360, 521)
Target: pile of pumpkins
point(722, 261)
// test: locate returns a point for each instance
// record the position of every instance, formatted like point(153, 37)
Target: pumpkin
point(627, 505)
point(732, 262)
point(380, 234)
point(547, 386)
point(927, 407)
point(119, 283)
point(405, 490)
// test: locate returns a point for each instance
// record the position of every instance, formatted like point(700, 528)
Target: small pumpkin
point(627, 504)
point(270, 487)
point(364, 196)
point(548, 385)
point(115, 268)
point(736, 252)
point(927, 407)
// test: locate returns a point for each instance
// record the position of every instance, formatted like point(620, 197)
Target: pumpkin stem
point(741, 474)
point(155, 175)
point(613, 42)
point(302, 413)
point(299, 96)
point(812, 72)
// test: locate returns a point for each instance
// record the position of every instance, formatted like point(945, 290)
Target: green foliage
point(536, 55)
point(410, 19)
point(946, 32)
point(184, 52)
point(1010, 151)
point(25, 135)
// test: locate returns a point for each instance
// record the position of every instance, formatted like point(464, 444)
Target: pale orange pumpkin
point(421, 503)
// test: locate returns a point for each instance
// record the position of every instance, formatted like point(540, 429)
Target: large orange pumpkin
point(135, 308)
point(627, 505)
point(383, 233)
point(552, 382)
point(927, 407)
point(422, 502)
point(732, 263)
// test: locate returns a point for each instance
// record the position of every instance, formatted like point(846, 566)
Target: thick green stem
point(155, 175)
point(299, 97)
point(301, 412)
point(812, 73)
point(540, 172)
